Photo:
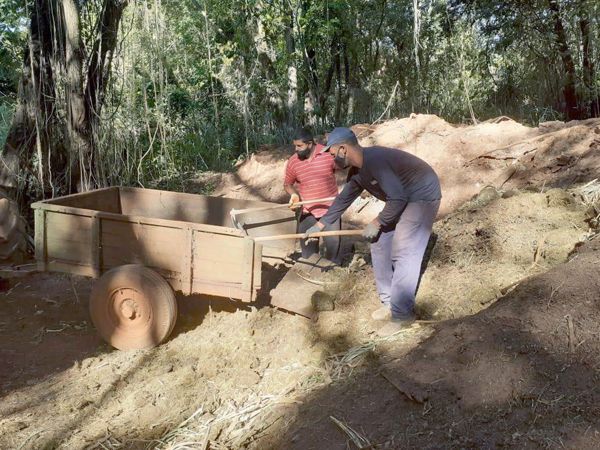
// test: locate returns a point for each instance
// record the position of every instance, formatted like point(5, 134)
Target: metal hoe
point(240, 226)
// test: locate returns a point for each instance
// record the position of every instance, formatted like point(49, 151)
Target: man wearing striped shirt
point(310, 175)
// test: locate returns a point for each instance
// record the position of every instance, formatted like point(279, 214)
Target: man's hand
point(371, 231)
point(314, 229)
point(294, 198)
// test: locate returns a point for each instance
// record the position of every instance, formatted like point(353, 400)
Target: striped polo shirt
point(314, 178)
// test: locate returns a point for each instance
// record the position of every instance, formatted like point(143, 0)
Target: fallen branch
point(358, 440)
point(488, 155)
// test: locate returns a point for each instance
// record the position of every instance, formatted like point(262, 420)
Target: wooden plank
point(69, 251)
point(134, 243)
point(141, 220)
point(96, 250)
point(247, 263)
point(68, 227)
point(295, 280)
point(68, 238)
point(218, 258)
point(104, 199)
point(223, 266)
point(257, 277)
point(230, 290)
point(187, 264)
point(212, 211)
point(40, 239)
point(72, 268)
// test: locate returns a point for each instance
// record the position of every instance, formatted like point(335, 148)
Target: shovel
point(311, 236)
point(235, 212)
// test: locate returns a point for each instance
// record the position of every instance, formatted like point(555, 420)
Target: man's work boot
point(382, 313)
point(394, 326)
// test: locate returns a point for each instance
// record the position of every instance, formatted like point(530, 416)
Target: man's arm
point(288, 184)
point(290, 189)
point(351, 191)
point(391, 212)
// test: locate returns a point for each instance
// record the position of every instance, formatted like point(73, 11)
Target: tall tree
point(49, 148)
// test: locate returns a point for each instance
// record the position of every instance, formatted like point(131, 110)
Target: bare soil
point(500, 152)
point(494, 242)
point(521, 374)
point(512, 361)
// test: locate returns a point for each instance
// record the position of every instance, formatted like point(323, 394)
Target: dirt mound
point(559, 155)
point(501, 153)
point(494, 242)
point(521, 374)
point(258, 178)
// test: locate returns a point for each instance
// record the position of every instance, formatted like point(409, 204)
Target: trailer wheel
point(133, 307)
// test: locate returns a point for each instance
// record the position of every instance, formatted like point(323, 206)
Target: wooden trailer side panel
point(155, 246)
point(63, 242)
point(223, 265)
point(105, 200)
point(214, 211)
point(193, 260)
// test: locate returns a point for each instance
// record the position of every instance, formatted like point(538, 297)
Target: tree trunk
point(292, 72)
point(569, 92)
point(49, 149)
point(588, 67)
point(98, 71)
point(338, 90)
point(78, 126)
point(29, 169)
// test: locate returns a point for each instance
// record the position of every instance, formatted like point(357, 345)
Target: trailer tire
point(133, 307)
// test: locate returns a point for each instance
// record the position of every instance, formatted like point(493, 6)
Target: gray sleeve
point(351, 191)
point(391, 212)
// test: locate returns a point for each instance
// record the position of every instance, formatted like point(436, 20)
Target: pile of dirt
point(521, 374)
point(494, 242)
point(501, 153)
point(258, 178)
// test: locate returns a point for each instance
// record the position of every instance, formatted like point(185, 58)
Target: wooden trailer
point(144, 244)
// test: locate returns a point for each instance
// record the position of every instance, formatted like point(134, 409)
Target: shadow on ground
point(44, 328)
point(522, 374)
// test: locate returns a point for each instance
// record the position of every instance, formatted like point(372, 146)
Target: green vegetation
point(196, 84)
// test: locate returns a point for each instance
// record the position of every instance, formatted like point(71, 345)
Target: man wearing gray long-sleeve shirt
point(399, 234)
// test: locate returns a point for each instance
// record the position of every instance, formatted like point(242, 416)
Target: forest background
point(117, 92)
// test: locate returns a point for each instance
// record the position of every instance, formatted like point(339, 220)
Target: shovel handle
point(312, 235)
point(235, 212)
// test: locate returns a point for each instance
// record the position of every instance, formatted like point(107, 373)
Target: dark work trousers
point(332, 243)
point(397, 256)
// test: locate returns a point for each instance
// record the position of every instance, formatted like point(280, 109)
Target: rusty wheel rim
point(129, 311)
point(133, 307)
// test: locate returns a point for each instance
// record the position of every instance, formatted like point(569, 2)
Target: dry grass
point(232, 425)
point(591, 192)
point(343, 364)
